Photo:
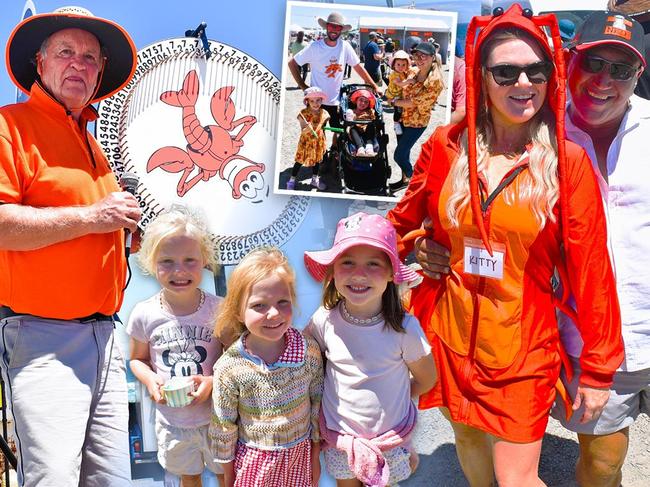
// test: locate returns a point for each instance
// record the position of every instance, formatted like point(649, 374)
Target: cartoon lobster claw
point(212, 149)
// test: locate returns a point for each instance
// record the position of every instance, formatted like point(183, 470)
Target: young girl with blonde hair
point(171, 338)
point(268, 384)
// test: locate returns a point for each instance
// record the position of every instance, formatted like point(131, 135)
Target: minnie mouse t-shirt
point(179, 346)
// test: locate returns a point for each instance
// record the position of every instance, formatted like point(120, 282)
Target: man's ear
point(39, 62)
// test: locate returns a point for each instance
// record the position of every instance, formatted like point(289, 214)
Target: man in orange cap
point(62, 253)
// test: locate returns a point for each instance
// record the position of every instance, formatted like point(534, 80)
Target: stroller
point(362, 174)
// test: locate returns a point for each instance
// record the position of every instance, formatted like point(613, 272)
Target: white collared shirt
point(626, 198)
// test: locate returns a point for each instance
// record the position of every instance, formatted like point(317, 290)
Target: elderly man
point(612, 124)
point(62, 253)
point(327, 58)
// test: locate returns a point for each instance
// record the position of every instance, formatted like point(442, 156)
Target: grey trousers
point(65, 384)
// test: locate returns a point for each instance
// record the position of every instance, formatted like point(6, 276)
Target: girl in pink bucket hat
point(311, 145)
point(372, 347)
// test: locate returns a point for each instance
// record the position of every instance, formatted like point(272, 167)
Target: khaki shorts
point(185, 451)
point(629, 396)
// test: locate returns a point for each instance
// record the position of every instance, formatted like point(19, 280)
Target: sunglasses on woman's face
point(508, 74)
point(618, 71)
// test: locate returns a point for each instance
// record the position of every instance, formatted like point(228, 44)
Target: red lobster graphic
point(211, 148)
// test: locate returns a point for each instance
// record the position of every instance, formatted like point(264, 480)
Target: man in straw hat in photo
point(327, 58)
point(62, 253)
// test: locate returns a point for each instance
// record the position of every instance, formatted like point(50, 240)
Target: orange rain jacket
point(47, 160)
point(496, 341)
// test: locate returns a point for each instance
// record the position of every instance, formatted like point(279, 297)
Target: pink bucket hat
point(314, 92)
point(361, 229)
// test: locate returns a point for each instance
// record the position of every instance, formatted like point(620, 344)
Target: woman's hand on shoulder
point(433, 257)
point(202, 387)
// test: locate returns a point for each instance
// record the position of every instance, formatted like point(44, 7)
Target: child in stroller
point(363, 135)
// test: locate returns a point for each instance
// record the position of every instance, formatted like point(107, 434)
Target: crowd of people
point(532, 202)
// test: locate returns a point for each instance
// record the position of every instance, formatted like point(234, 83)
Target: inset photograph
point(362, 89)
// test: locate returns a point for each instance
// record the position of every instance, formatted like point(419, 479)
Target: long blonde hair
point(255, 267)
point(539, 185)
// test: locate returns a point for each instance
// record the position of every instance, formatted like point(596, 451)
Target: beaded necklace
point(168, 308)
point(359, 321)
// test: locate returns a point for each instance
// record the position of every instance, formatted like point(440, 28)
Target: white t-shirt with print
point(327, 66)
point(178, 346)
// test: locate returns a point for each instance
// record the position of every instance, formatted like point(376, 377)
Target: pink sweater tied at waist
point(365, 457)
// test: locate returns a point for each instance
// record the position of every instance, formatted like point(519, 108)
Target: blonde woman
point(513, 202)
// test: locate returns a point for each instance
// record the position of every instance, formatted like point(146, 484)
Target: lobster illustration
point(212, 149)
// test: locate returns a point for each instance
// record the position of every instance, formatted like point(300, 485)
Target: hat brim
point(589, 45)
point(323, 23)
point(26, 39)
point(322, 96)
point(317, 262)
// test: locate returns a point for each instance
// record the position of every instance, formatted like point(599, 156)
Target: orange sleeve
point(591, 276)
point(11, 169)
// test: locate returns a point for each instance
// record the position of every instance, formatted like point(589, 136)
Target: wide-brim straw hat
point(336, 19)
point(27, 37)
point(630, 7)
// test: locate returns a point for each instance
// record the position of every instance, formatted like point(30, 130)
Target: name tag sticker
point(479, 262)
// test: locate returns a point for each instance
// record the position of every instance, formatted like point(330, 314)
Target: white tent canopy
point(404, 23)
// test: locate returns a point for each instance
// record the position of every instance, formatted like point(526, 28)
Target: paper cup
point(176, 392)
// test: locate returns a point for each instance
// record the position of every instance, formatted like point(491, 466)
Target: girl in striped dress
point(268, 384)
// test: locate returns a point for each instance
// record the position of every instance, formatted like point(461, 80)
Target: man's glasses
point(508, 74)
point(618, 71)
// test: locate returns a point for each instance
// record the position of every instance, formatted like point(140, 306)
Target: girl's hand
point(315, 463)
point(229, 474)
point(202, 387)
point(154, 385)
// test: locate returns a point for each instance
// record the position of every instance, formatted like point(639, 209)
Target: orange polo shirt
point(47, 159)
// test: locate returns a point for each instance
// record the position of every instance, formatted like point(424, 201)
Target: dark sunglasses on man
point(508, 74)
point(617, 71)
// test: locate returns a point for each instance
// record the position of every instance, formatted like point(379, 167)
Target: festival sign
point(200, 128)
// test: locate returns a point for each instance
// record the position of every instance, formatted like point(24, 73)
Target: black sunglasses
point(618, 71)
point(508, 74)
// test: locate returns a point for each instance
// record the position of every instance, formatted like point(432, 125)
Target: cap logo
point(352, 223)
point(620, 27)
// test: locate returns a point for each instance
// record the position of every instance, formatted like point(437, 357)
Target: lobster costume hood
point(514, 17)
